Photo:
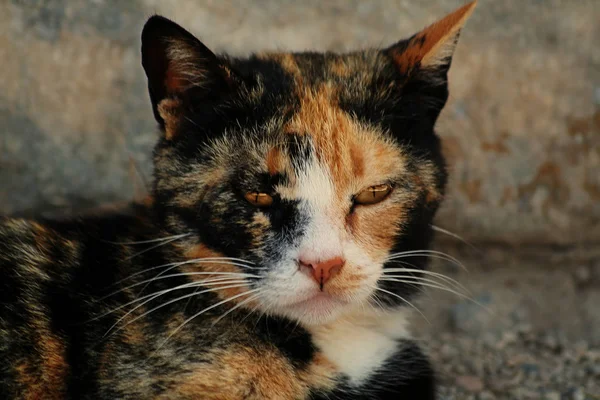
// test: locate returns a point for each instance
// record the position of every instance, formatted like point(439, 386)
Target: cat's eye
point(259, 199)
point(373, 194)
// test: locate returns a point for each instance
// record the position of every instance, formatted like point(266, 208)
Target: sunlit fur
point(203, 291)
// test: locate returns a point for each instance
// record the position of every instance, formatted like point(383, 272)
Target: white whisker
point(216, 273)
point(189, 284)
point(198, 284)
point(413, 282)
point(150, 240)
point(404, 300)
point(241, 260)
point(408, 280)
point(202, 312)
point(241, 303)
point(237, 285)
point(456, 236)
point(193, 261)
point(379, 306)
point(199, 262)
point(187, 303)
point(163, 243)
point(427, 253)
point(419, 278)
point(462, 295)
point(252, 312)
point(443, 277)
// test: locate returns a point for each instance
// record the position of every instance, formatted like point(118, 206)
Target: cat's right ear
point(176, 62)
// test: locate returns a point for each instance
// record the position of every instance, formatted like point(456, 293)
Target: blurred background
point(521, 133)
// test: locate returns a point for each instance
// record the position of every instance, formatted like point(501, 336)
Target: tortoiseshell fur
point(122, 305)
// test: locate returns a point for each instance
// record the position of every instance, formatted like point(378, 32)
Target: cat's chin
point(318, 309)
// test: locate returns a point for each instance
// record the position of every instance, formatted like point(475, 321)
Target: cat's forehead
point(320, 141)
point(338, 77)
point(310, 123)
point(344, 145)
point(311, 68)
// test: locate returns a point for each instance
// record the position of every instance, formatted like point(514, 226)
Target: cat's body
point(55, 316)
point(286, 185)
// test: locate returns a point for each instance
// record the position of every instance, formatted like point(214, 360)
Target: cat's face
point(312, 170)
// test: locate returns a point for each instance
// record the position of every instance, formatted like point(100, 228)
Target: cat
point(286, 233)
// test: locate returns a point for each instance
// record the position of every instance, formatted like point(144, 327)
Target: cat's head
point(309, 171)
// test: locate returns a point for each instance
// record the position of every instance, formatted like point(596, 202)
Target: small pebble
point(578, 395)
point(485, 395)
point(530, 369)
point(525, 393)
point(582, 275)
point(552, 396)
point(524, 328)
point(552, 343)
point(470, 383)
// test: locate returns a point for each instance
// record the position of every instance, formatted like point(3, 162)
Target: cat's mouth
point(316, 307)
point(319, 299)
point(304, 298)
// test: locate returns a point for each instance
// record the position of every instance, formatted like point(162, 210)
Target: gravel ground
point(518, 365)
point(534, 335)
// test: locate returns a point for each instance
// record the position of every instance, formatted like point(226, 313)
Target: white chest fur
point(359, 344)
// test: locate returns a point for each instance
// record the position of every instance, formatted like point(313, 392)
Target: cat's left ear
point(430, 51)
point(176, 63)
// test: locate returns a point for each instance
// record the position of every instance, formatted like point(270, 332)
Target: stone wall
point(522, 128)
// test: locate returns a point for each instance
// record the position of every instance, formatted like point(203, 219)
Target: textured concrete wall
point(522, 128)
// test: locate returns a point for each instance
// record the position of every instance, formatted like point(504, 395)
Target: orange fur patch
point(287, 62)
point(357, 157)
point(433, 44)
point(431, 193)
point(376, 227)
point(339, 67)
point(320, 373)
point(274, 161)
point(173, 81)
point(31, 385)
point(47, 379)
point(133, 333)
point(331, 129)
point(243, 372)
point(170, 112)
point(358, 161)
point(54, 364)
point(147, 201)
point(260, 225)
point(201, 251)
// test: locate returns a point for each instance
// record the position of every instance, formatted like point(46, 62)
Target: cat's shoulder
point(38, 241)
point(23, 240)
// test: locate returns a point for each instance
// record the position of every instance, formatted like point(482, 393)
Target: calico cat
point(285, 234)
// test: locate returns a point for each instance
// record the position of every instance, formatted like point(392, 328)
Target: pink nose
point(323, 271)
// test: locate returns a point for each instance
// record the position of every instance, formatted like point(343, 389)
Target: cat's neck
point(360, 342)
